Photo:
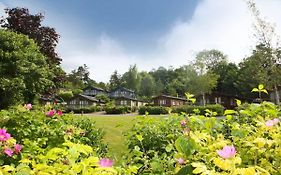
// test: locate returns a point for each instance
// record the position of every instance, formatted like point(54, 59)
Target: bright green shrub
point(193, 143)
point(70, 158)
point(219, 109)
point(153, 110)
point(39, 132)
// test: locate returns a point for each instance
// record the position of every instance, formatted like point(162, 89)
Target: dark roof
point(122, 88)
point(90, 98)
point(172, 97)
point(93, 87)
point(125, 97)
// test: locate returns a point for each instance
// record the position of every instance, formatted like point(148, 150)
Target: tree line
point(30, 66)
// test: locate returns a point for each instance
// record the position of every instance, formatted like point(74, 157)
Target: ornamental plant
point(70, 158)
point(9, 149)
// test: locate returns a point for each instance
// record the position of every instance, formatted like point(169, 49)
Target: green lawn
point(114, 126)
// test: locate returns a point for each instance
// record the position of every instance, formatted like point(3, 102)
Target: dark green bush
point(153, 110)
point(201, 110)
point(119, 109)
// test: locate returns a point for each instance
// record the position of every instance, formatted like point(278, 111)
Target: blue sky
point(110, 35)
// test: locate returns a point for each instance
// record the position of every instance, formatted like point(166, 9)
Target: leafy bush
point(66, 95)
point(246, 142)
point(199, 109)
point(40, 131)
point(153, 110)
point(119, 109)
point(84, 110)
point(71, 158)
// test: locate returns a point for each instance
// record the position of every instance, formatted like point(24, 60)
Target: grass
point(114, 126)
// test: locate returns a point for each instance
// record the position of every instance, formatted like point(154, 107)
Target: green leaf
point(255, 90)
point(139, 137)
point(169, 148)
point(229, 112)
point(185, 170)
point(185, 145)
point(238, 102)
point(264, 91)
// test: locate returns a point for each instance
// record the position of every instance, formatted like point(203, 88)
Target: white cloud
point(220, 24)
point(2, 11)
point(216, 24)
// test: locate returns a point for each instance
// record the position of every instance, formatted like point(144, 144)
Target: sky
point(114, 34)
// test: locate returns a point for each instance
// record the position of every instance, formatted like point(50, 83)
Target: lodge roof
point(171, 97)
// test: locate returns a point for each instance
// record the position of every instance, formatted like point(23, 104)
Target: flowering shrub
point(41, 130)
point(71, 158)
point(246, 142)
point(9, 149)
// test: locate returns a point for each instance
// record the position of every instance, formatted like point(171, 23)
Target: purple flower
point(18, 148)
point(181, 161)
point(106, 163)
point(51, 113)
point(28, 106)
point(8, 152)
point(4, 135)
point(183, 123)
point(227, 152)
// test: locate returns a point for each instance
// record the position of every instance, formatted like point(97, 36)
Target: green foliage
point(66, 95)
point(70, 158)
point(39, 133)
point(191, 143)
point(119, 109)
point(153, 110)
point(23, 69)
point(202, 110)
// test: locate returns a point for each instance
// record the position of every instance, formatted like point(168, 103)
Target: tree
point(21, 21)
point(147, 85)
point(80, 78)
point(131, 78)
point(115, 80)
point(23, 69)
point(204, 81)
point(267, 50)
point(228, 77)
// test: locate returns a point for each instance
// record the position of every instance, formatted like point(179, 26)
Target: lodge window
point(123, 102)
point(162, 102)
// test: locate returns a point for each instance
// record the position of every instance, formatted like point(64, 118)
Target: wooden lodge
point(169, 101)
point(83, 101)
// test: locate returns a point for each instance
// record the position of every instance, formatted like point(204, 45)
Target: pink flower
point(227, 152)
point(4, 135)
point(8, 152)
point(270, 123)
point(28, 106)
point(51, 113)
point(18, 148)
point(59, 112)
point(276, 120)
point(106, 163)
point(183, 123)
point(181, 161)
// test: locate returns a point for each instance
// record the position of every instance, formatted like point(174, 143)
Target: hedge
point(156, 110)
point(201, 109)
point(119, 109)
